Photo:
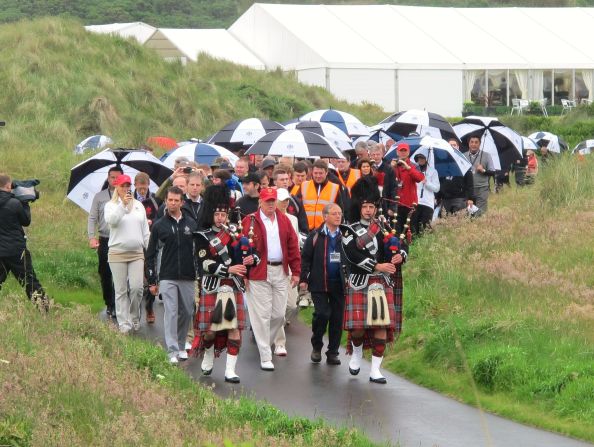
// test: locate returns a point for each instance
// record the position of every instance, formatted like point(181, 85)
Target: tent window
point(497, 87)
point(582, 88)
point(478, 94)
point(547, 85)
point(562, 85)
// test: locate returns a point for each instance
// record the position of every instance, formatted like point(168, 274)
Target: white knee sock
point(208, 360)
point(355, 362)
point(376, 362)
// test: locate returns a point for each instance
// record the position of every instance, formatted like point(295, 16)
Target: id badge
point(335, 256)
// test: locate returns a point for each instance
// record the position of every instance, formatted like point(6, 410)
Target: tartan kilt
point(207, 305)
point(355, 309)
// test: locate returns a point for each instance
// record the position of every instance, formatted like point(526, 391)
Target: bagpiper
point(373, 301)
point(223, 259)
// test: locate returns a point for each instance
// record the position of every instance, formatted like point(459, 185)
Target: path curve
point(399, 412)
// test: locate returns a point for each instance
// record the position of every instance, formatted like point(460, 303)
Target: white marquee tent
point(138, 30)
point(187, 44)
point(403, 57)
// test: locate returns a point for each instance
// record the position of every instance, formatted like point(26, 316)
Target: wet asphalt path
point(399, 412)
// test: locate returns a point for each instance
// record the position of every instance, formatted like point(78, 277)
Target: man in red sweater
point(277, 248)
point(407, 177)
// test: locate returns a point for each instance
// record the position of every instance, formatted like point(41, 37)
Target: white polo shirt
point(275, 252)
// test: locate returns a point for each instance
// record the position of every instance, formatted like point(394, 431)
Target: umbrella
point(502, 143)
point(243, 133)
point(447, 161)
point(346, 122)
point(201, 153)
point(295, 143)
point(413, 142)
point(421, 122)
point(92, 143)
point(382, 136)
point(550, 140)
point(340, 139)
point(584, 148)
point(166, 143)
point(87, 178)
point(528, 143)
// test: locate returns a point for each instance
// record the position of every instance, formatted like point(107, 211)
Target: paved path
point(397, 412)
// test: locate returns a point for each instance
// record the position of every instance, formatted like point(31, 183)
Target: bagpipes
point(243, 246)
point(392, 243)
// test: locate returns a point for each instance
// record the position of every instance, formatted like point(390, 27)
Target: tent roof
point(376, 36)
point(218, 43)
point(139, 30)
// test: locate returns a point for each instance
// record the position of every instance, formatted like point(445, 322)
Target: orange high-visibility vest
point(354, 175)
point(295, 190)
point(314, 204)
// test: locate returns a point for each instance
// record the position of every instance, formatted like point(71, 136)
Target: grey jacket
point(479, 179)
point(97, 217)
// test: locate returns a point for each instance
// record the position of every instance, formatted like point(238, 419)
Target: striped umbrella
point(421, 122)
point(201, 153)
point(340, 139)
point(243, 133)
point(295, 143)
point(346, 122)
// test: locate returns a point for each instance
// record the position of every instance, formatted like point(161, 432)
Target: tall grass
point(506, 303)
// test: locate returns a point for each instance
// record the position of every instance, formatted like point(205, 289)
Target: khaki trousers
point(290, 315)
point(267, 302)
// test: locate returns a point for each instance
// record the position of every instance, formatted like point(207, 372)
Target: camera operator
point(14, 256)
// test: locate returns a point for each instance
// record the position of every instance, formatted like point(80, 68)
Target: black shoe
point(332, 359)
point(207, 372)
point(354, 372)
point(232, 379)
point(381, 380)
point(316, 356)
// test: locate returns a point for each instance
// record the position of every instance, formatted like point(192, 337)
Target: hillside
point(498, 311)
point(203, 13)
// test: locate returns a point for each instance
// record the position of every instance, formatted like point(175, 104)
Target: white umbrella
point(92, 143)
point(87, 178)
point(528, 143)
point(446, 160)
point(584, 148)
point(550, 140)
point(295, 143)
point(244, 133)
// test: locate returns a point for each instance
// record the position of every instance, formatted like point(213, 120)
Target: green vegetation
point(504, 302)
point(70, 379)
point(203, 13)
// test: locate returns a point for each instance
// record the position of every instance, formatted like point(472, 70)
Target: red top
point(408, 180)
point(289, 246)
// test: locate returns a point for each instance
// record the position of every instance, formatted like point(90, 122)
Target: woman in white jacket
point(128, 238)
point(426, 190)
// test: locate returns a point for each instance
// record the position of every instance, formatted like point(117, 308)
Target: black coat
point(14, 215)
point(177, 241)
point(314, 258)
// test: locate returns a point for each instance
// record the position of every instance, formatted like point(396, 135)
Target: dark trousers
point(328, 312)
point(105, 274)
point(21, 267)
point(453, 205)
point(421, 219)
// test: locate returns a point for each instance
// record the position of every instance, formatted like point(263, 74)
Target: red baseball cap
point(403, 147)
point(121, 179)
point(267, 194)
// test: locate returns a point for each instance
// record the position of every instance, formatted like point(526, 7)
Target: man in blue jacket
point(14, 255)
point(321, 273)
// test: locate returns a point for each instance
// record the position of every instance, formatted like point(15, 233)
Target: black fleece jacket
point(14, 215)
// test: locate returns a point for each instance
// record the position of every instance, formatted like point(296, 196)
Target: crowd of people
point(218, 243)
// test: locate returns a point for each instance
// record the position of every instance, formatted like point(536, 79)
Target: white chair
point(585, 102)
point(519, 105)
point(568, 105)
point(543, 106)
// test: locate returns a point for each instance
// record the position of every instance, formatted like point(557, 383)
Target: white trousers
point(127, 304)
point(290, 315)
point(267, 303)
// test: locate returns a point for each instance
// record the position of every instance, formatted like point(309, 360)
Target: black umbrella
point(243, 133)
point(421, 122)
point(502, 143)
point(87, 178)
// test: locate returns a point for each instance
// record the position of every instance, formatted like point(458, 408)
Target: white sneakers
point(280, 350)
point(267, 366)
point(173, 360)
point(182, 355)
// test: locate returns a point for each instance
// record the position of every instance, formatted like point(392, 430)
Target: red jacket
point(289, 246)
point(408, 181)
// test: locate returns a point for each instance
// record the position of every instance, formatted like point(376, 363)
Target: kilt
point(207, 305)
point(355, 309)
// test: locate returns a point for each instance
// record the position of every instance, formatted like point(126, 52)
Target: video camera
point(25, 190)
